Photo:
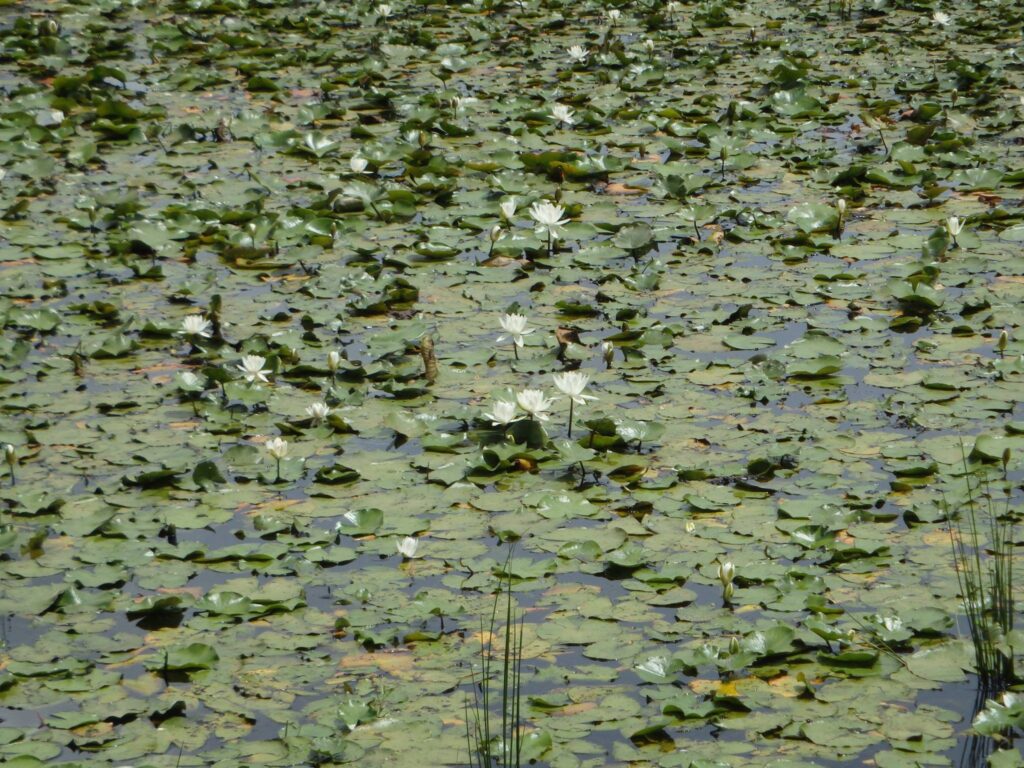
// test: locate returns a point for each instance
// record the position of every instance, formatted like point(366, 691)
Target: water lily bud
point(495, 233)
point(734, 645)
point(333, 360)
point(690, 526)
point(9, 455)
point(727, 592)
point(608, 352)
point(954, 226)
point(48, 28)
point(1004, 337)
point(649, 45)
point(1006, 457)
point(841, 207)
point(726, 572)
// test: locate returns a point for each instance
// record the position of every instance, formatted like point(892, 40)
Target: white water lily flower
point(318, 411)
point(277, 448)
point(535, 403)
point(333, 360)
point(954, 226)
point(196, 325)
point(562, 114)
point(252, 368)
point(673, 7)
point(726, 573)
point(358, 164)
point(892, 623)
point(577, 54)
point(407, 547)
point(189, 381)
point(649, 45)
point(508, 208)
point(841, 207)
point(502, 414)
point(613, 16)
point(607, 352)
point(572, 383)
point(548, 217)
point(941, 18)
point(461, 102)
point(384, 10)
point(515, 328)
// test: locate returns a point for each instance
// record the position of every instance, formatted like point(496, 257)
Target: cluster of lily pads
point(251, 257)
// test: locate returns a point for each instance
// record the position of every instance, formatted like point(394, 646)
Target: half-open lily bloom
point(407, 547)
point(562, 114)
point(502, 414)
point(514, 327)
point(189, 382)
point(613, 16)
point(384, 10)
point(548, 217)
point(535, 403)
point(318, 411)
point(461, 102)
point(726, 572)
point(577, 54)
point(277, 448)
point(572, 383)
point(11, 457)
point(252, 368)
point(954, 226)
point(196, 325)
point(333, 360)
point(508, 208)
point(358, 164)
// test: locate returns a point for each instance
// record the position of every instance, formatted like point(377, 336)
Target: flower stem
point(571, 404)
point(515, 349)
point(278, 480)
